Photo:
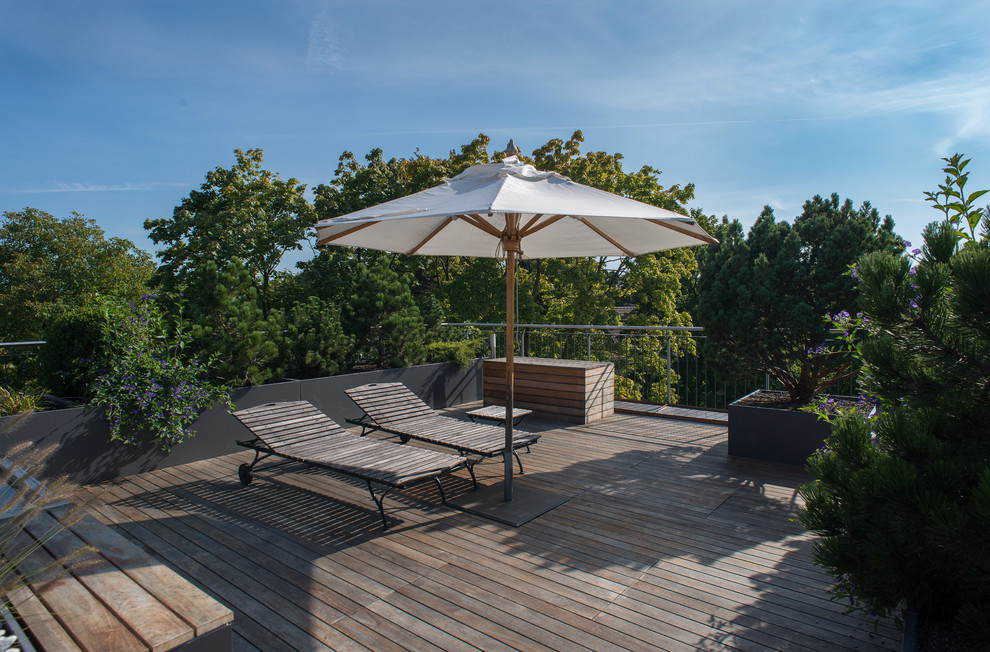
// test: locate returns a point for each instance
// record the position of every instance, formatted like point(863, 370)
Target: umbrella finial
point(511, 149)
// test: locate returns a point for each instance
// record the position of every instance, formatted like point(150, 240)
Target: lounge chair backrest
point(289, 423)
point(389, 403)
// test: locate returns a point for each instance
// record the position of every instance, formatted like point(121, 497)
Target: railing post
point(492, 344)
point(589, 346)
point(668, 368)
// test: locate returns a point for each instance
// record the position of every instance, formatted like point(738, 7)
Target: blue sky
point(118, 109)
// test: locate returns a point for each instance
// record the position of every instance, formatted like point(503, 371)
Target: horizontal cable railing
point(653, 364)
point(19, 363)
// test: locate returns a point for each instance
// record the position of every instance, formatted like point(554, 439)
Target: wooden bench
point(568, 390)
point(126, 600)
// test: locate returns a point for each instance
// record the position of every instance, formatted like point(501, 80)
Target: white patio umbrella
point(512, 209)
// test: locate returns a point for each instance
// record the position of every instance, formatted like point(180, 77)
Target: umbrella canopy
point(512, 209)
point(551, 216)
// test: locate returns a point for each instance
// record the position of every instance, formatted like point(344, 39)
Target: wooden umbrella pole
point(510, 244)
point(510, 345)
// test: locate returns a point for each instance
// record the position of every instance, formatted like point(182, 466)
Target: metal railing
point(19, 363)
point(654, 364)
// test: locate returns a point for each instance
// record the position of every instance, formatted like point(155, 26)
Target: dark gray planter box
point(774, 435)
point(86, 455)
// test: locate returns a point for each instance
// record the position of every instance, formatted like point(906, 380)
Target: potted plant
point(762, 299)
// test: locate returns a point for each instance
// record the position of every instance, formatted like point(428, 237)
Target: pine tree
point(227, 323)
point(384, 319)
point(315, 344)
point(902, 503)
point(762, 298)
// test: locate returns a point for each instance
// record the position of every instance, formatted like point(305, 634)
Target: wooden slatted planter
point(569, 390)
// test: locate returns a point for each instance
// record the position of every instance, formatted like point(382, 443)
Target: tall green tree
point(902, 504)
point(50, 266)
point(316, 344)
point(228, 326)
point(243, 212)
point(384, 319)
point(762, 298)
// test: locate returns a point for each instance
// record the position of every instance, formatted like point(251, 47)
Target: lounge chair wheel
point(244, 473)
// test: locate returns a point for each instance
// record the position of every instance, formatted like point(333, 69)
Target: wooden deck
point(665, 544)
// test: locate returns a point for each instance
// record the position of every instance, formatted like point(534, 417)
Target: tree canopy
point(243, 212)
point(50, 265)
point(763, 298)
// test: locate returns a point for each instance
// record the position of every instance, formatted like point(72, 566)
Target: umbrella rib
point(606, 237)
point(706, 238)
point(530, 231)
point(345, 232)
point(530, 223)
point(414, 250)
point(479, 222)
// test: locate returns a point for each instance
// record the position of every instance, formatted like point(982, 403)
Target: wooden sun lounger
point(296, 430)
point(393, 408)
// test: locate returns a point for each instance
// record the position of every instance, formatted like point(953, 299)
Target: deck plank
point(665, 543)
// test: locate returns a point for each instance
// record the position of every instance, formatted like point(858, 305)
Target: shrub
point(460, 352)
point(14, 401)
point(902, 505)
point(73, 341)
point(145, 383)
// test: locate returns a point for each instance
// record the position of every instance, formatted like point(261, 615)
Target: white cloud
point(61, 186)
point(324, 51)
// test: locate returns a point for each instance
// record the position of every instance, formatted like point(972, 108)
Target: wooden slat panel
point(99, 629)
point(192, 605)
point(152, 621)
point(569, 389)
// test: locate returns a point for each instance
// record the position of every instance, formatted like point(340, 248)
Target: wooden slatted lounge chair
point(393, 408)
point(296, 430)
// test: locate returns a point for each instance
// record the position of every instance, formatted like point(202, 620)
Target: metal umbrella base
point(526, 504)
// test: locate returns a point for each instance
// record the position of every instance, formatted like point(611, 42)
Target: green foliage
point(74, 341)
point(762, 298)
point(460, 352)
point(315, 344)
point(384, 319)
point(228, 325)
point(244, 212)
point(13, 401)
point(959, 208)
point(145, 382)
point(51, 266)
point(903, 506)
